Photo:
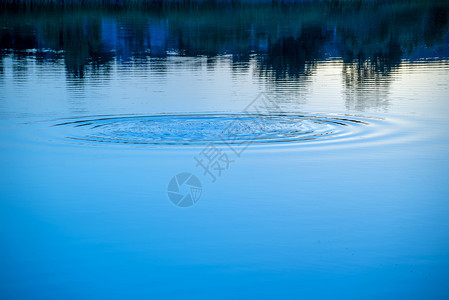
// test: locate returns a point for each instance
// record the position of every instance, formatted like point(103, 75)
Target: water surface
point(331, 122)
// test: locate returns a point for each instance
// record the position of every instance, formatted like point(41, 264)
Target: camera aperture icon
point(184, 189)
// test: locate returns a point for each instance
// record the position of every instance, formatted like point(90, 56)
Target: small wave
point(215, 128)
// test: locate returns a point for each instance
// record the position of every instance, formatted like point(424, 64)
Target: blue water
point(338, 188)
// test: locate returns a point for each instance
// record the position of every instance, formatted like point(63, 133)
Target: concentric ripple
point(202, 129)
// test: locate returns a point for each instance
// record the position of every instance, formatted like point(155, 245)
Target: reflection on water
point(375, 36)
point(281, 45)
point(342, 195)
point(364, 87)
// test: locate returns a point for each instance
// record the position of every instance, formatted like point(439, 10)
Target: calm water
point(329, 124)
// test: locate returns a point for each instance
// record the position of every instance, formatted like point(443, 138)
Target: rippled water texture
point(122, 131)
point(203, 129)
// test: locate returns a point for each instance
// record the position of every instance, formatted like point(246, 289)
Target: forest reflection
point(283, 42)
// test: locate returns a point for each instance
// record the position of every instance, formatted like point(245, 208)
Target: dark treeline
point(50, 4)
point(283, 40)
